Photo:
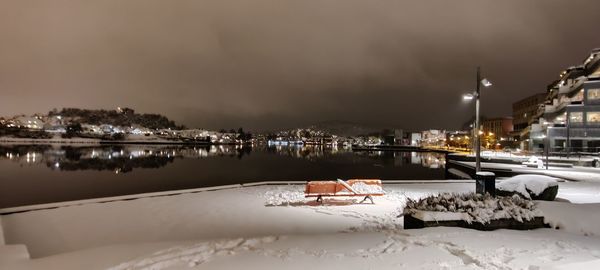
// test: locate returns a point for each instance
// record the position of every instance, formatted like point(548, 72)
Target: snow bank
point(473, 207)
point(525, 184)
point(283, 197)
point(363, 188)
point(574, 218)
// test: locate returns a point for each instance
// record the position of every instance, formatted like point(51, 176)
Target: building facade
point(569, 121)
point(524, 112)
point(496, 132)
point(499, 126)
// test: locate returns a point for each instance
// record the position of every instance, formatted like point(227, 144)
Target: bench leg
point(319, 199)
point(368, 197)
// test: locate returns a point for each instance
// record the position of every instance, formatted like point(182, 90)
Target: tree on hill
point(121, 117)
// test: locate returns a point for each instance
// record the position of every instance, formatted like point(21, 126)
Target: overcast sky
point(265, 64)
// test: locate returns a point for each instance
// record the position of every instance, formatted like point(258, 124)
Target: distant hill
point(119, 117)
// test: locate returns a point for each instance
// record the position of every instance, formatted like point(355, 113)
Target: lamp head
point(486, 83)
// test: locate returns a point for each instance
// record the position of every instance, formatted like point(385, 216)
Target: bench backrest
point(332, 187)
point(322, 187)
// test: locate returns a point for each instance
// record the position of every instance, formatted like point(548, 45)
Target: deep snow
point(237, 229)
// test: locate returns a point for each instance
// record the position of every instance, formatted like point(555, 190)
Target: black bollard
point(485, 182)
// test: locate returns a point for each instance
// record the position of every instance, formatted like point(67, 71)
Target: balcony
point(576, 85)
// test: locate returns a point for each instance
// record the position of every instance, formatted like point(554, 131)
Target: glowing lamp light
point(485, 82)
point(468, 97)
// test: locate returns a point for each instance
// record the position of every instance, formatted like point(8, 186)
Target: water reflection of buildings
point(116, 158)
point(391, 158)
point(306, 151)
point(425, 159)
point(126, 158)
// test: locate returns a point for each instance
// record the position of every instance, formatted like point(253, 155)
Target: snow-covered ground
point(242, 229)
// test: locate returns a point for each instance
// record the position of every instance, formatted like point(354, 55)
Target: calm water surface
point(34, 174)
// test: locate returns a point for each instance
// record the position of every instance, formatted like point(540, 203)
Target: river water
point(35, 174)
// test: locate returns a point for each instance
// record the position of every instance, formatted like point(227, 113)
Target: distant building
point(415, 139)
point(433, 137)
point(496, 132)
point(29, 122)
point(501, 127)
point(524, 112)
point(459, 139)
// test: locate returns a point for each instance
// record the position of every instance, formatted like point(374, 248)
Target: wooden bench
point(320, 189)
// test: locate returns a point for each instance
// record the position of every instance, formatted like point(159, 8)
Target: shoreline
point(46, 206)
point(99, 142)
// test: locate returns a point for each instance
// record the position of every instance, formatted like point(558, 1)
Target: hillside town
point(121, 124)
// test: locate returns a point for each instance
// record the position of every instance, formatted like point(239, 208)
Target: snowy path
point(233, 229)
point(585, 174)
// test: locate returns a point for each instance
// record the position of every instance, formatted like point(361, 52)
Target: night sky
point(281, 63)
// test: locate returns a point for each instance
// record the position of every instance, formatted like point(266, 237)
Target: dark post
point(477, 140)
point(485, 182)
point(568, 135)
point(547, 146)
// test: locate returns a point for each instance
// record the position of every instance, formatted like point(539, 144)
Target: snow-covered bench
point(366, 188)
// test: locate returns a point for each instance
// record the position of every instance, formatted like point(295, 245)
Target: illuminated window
point(593, 94)
point(593, 117)
point(576, 117)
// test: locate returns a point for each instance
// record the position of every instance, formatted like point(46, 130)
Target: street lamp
point(477, 95)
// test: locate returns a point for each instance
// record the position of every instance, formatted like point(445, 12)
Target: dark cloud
point(277, 63)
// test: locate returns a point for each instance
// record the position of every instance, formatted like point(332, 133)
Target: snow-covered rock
point(530, 186)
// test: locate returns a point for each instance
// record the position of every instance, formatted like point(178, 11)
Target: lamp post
point(477, 95)
point(568, 123)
